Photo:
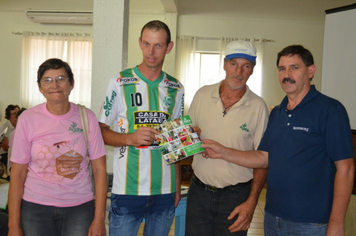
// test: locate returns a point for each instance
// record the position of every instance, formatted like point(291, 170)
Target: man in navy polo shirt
point(308, 149)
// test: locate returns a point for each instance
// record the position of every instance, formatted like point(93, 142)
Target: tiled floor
point(256, 228)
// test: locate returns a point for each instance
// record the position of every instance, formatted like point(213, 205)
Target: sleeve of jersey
point(95, 139)
point(338, 136)
point(109, 106)
point(179, 109)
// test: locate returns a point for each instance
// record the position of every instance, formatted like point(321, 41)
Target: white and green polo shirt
point(133, 101)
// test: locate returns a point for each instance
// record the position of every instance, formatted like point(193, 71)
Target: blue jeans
point(207, 211)
point(127, 213)
point(38, 220)
point(276, 226)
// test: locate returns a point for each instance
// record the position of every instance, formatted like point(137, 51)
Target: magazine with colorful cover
point(177, 139)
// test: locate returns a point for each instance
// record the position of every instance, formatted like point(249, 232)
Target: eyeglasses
point(59, 80)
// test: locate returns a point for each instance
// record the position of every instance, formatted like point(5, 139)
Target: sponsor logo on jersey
point(122, 130)
point(149, 118)
point(127, 80)
point(182, 106)
point(172, 84)
point(108, 103)
point(167, 100)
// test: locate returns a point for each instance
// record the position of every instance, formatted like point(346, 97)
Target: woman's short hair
point(8, 110)
point(54, 63)
point(20, 112)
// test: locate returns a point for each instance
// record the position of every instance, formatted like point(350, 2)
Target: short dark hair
point(54, 63)
point(157, 25)
point(20, 112)
point(299, 50)
point(10, 108)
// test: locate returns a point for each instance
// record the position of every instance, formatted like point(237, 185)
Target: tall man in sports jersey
point(144, 185)
point(230, 112)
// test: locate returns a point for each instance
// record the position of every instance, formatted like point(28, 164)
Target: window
point(209, 68)
point(210, 72)
point(75, 49)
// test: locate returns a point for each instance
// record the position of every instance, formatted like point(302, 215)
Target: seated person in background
point(11, 140)
point(10, 115)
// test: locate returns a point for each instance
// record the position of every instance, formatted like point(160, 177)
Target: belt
point(197, 181)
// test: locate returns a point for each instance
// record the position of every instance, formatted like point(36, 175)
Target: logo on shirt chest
point(74, 129)
point(171, 84)
point(127, 80)
point(149, 118)
point(243, 127)
point(301, 128)
point(167, 100)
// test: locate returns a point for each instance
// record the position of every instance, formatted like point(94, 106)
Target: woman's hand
point(97, 228)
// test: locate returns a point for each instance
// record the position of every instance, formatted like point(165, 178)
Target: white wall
point(10, 51)
point(308, 34)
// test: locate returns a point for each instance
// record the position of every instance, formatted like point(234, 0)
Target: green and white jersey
point(133, 101)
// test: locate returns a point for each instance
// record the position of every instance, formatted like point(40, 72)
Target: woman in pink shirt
point(50, 188)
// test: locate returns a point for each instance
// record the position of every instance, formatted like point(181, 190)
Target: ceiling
point(271, 9)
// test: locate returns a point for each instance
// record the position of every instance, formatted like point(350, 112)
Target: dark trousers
point(41, 220)
point(3, 224)
point(208, 208)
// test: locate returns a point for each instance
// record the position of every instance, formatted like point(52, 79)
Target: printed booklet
point(178, 139)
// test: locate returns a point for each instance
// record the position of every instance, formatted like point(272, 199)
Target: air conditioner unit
point(61, 17)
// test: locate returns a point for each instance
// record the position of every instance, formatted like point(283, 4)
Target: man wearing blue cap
point(222, 196)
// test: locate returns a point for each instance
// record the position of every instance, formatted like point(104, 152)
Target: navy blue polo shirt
point(302, 146)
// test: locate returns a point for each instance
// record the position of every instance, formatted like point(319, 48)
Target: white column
point(170, 60)
point(110, 46)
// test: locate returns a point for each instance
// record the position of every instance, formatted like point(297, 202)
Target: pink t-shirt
point(55, 151)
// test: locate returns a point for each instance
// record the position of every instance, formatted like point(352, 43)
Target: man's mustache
point(292, 81)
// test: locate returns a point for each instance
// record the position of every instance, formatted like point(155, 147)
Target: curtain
point(76, 49)
point(80, 58)
point(187, 71)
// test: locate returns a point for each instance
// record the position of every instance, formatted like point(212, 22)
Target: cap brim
point(241, 55)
